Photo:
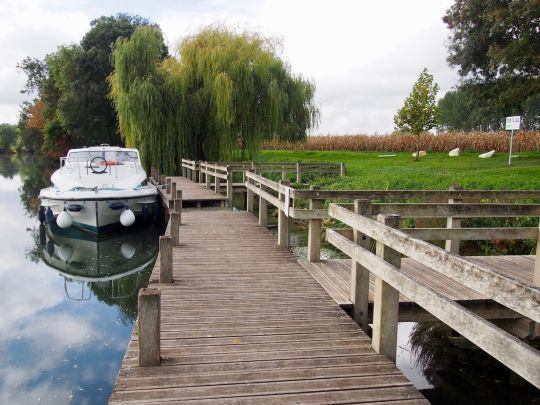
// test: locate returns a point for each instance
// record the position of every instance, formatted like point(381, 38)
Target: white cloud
point(363, 56)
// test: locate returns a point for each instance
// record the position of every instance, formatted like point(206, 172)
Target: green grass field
point(365, 170)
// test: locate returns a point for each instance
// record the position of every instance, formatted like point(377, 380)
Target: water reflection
point(459, 372)
point(69, 300)
point(110, 266)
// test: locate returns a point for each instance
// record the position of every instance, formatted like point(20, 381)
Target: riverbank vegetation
point(72, 107)
point(367, 170)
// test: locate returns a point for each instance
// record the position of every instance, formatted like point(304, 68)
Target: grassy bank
point(366, 170)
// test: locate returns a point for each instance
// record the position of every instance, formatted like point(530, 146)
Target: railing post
point(149, 303)
point(184, 171)
point(201, 174)
point(178, 205)
point(263, 209)
point(386, 298)
point(283, 220)
point(173, 189)
point(298, 173)
point(314, 231)
point(283, 173)
point(175, 228)
point(165, 259)
point(217, 183)
point(536, 275)
point(342, 169)
point(249, 195)
point(452, 245)
point(168, 185)
point(208, 179)
point(230, 189)
point(359, 294)
point(194, 172)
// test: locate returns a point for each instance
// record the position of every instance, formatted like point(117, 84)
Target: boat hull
point(102, 215)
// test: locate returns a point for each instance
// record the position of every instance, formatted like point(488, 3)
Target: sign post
point(512, 123)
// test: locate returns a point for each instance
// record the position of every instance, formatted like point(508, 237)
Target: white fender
point(127, 218)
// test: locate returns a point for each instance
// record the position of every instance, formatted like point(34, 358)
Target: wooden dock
point(334, 275)
point(195, 195)
point(244, 322)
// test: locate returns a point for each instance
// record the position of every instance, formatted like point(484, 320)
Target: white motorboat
point(96, 188)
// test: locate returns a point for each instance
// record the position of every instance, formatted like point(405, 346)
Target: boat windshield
point(116, 156)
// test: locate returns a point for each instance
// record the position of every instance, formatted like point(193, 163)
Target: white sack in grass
point(454, 152)
point(487, 154)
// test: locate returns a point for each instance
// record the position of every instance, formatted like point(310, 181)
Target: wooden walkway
point(334, 275)
point(245, 323)
point(196, 194)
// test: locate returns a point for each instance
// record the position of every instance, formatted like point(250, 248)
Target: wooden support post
point(249, 198)
point(314, 230)
point(536, 275)
point(342, 169)
point(386, 299)
point(230, 189)
point(452, 245)
point(165, 259)
point(149, 327)
point(283, 173)
point(173, 189)
point(184, 172)
point(298, 173)
point(208, 179)
point(175, 228)
point(178, 205)
point(217, 184)
point(283, 220)
point(263, 210)
point(359, 293)
point(168, 185)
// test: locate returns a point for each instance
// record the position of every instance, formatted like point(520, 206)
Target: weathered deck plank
point(334, 276)
point(245, 323)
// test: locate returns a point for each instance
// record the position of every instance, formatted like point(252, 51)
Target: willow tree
point(137, 93)
point(223, 95)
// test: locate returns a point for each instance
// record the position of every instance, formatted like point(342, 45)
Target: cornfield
point(400, 142)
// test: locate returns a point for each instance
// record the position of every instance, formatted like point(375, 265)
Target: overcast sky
point(364, 56)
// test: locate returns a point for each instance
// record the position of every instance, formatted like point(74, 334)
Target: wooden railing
point(391, 281)
point(190, 169)
point(195, 169)
point(288, 200)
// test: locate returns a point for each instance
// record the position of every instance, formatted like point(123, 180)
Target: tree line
point(226, 91)
point(496, 47)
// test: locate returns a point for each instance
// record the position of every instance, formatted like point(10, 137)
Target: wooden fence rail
point(269, 193)
point(524, 299)
point(196, 169)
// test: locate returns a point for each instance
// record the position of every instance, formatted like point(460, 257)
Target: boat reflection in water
point(109, 265)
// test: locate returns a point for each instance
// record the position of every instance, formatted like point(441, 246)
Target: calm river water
point(68, 304)
point(68, 301)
